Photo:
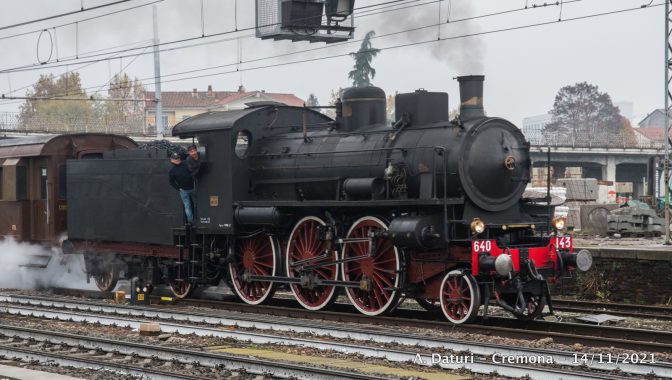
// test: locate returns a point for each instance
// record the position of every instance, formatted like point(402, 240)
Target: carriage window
point(1, 183)
point(243, 142)
point(43, 183)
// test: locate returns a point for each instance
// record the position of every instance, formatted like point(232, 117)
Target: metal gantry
point(668, 95)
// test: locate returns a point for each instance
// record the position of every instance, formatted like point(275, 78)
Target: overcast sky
point(622, 53)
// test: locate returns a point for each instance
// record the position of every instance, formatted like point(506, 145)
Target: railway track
point(157, 362)
point(415, 344)
point(620, 309)
point(561, 332)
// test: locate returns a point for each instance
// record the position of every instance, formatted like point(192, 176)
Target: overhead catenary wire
point(51, 47)
point(121, 69)
point(82, 20)
point(42, 67)
point(405, 45)
point(90, 98)
point(83, 65)
point(188, 39)
point(383, 48)
point(63, 14)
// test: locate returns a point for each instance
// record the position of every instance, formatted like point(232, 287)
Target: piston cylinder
point(419, 232)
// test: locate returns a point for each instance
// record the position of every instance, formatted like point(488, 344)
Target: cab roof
point(239, 119)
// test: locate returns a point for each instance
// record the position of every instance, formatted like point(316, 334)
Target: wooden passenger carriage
point(33, 190)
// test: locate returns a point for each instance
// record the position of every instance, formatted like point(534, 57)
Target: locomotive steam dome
point(362, 106)
point(494, 164)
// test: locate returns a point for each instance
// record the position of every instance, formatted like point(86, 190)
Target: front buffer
point(515, 277)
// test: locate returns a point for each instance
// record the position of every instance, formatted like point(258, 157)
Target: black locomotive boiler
point(427, 208)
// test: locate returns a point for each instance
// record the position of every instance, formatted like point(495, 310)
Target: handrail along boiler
point(427, 208)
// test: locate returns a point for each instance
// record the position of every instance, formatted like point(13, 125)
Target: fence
point(138, 126)
point(598, 139)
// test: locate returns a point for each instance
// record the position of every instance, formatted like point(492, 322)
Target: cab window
point(243, 143)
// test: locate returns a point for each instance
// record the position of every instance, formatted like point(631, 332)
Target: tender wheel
point(304, 244)
point(460, 297)
point(378, 275)
point(181, 289)
point(255, 256)
point(106, 281)
point(534, 306)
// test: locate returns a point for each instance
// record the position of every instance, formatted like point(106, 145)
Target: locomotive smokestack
point(471, 96)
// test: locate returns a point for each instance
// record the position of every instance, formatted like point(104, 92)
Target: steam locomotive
point(426, 208)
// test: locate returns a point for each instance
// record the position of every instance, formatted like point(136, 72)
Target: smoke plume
point(464, 54)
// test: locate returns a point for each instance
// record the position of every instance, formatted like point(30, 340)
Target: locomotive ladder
point(191, 261)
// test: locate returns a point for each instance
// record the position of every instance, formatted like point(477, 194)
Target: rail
point(275, 319)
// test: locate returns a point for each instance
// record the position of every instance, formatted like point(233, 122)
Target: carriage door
point(39, 195)
point(60, 197)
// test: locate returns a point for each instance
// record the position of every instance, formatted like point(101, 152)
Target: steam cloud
point(63, 270)
point(465, 55)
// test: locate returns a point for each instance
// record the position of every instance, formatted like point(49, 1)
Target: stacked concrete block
point(634, 221)
point(593, 217)
point(574, 172)
point(579, 189)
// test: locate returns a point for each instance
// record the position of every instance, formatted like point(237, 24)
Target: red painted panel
point(543, 257)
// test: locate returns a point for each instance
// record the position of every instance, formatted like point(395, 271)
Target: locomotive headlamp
point(559, 223)
point(144, 289)
point(477, 226)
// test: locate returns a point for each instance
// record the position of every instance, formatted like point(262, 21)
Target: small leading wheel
point(107, 279)
point(254, 256)
point(181, 289)
point(460, 297)
point(534, 306)
point(303, 245)
point(378, 274)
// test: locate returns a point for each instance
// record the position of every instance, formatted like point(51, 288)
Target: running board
point(36, 261)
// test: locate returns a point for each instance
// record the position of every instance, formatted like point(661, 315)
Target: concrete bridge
point(636, 165)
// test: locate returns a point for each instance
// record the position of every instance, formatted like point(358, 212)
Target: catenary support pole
point(157, 77)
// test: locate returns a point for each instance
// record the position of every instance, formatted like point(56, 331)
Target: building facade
point(181, 105)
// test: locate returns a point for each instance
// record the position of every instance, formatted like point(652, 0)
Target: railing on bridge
point(598, 139)
point(138, 126)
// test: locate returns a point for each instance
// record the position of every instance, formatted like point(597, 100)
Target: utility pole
point(666, 163)
point(157, 77)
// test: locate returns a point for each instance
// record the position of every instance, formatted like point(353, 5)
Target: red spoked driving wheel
point(378, 274)
point(303, 246)
point(254, 256)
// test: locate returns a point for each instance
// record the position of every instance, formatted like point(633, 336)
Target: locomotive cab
point(233, 140)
